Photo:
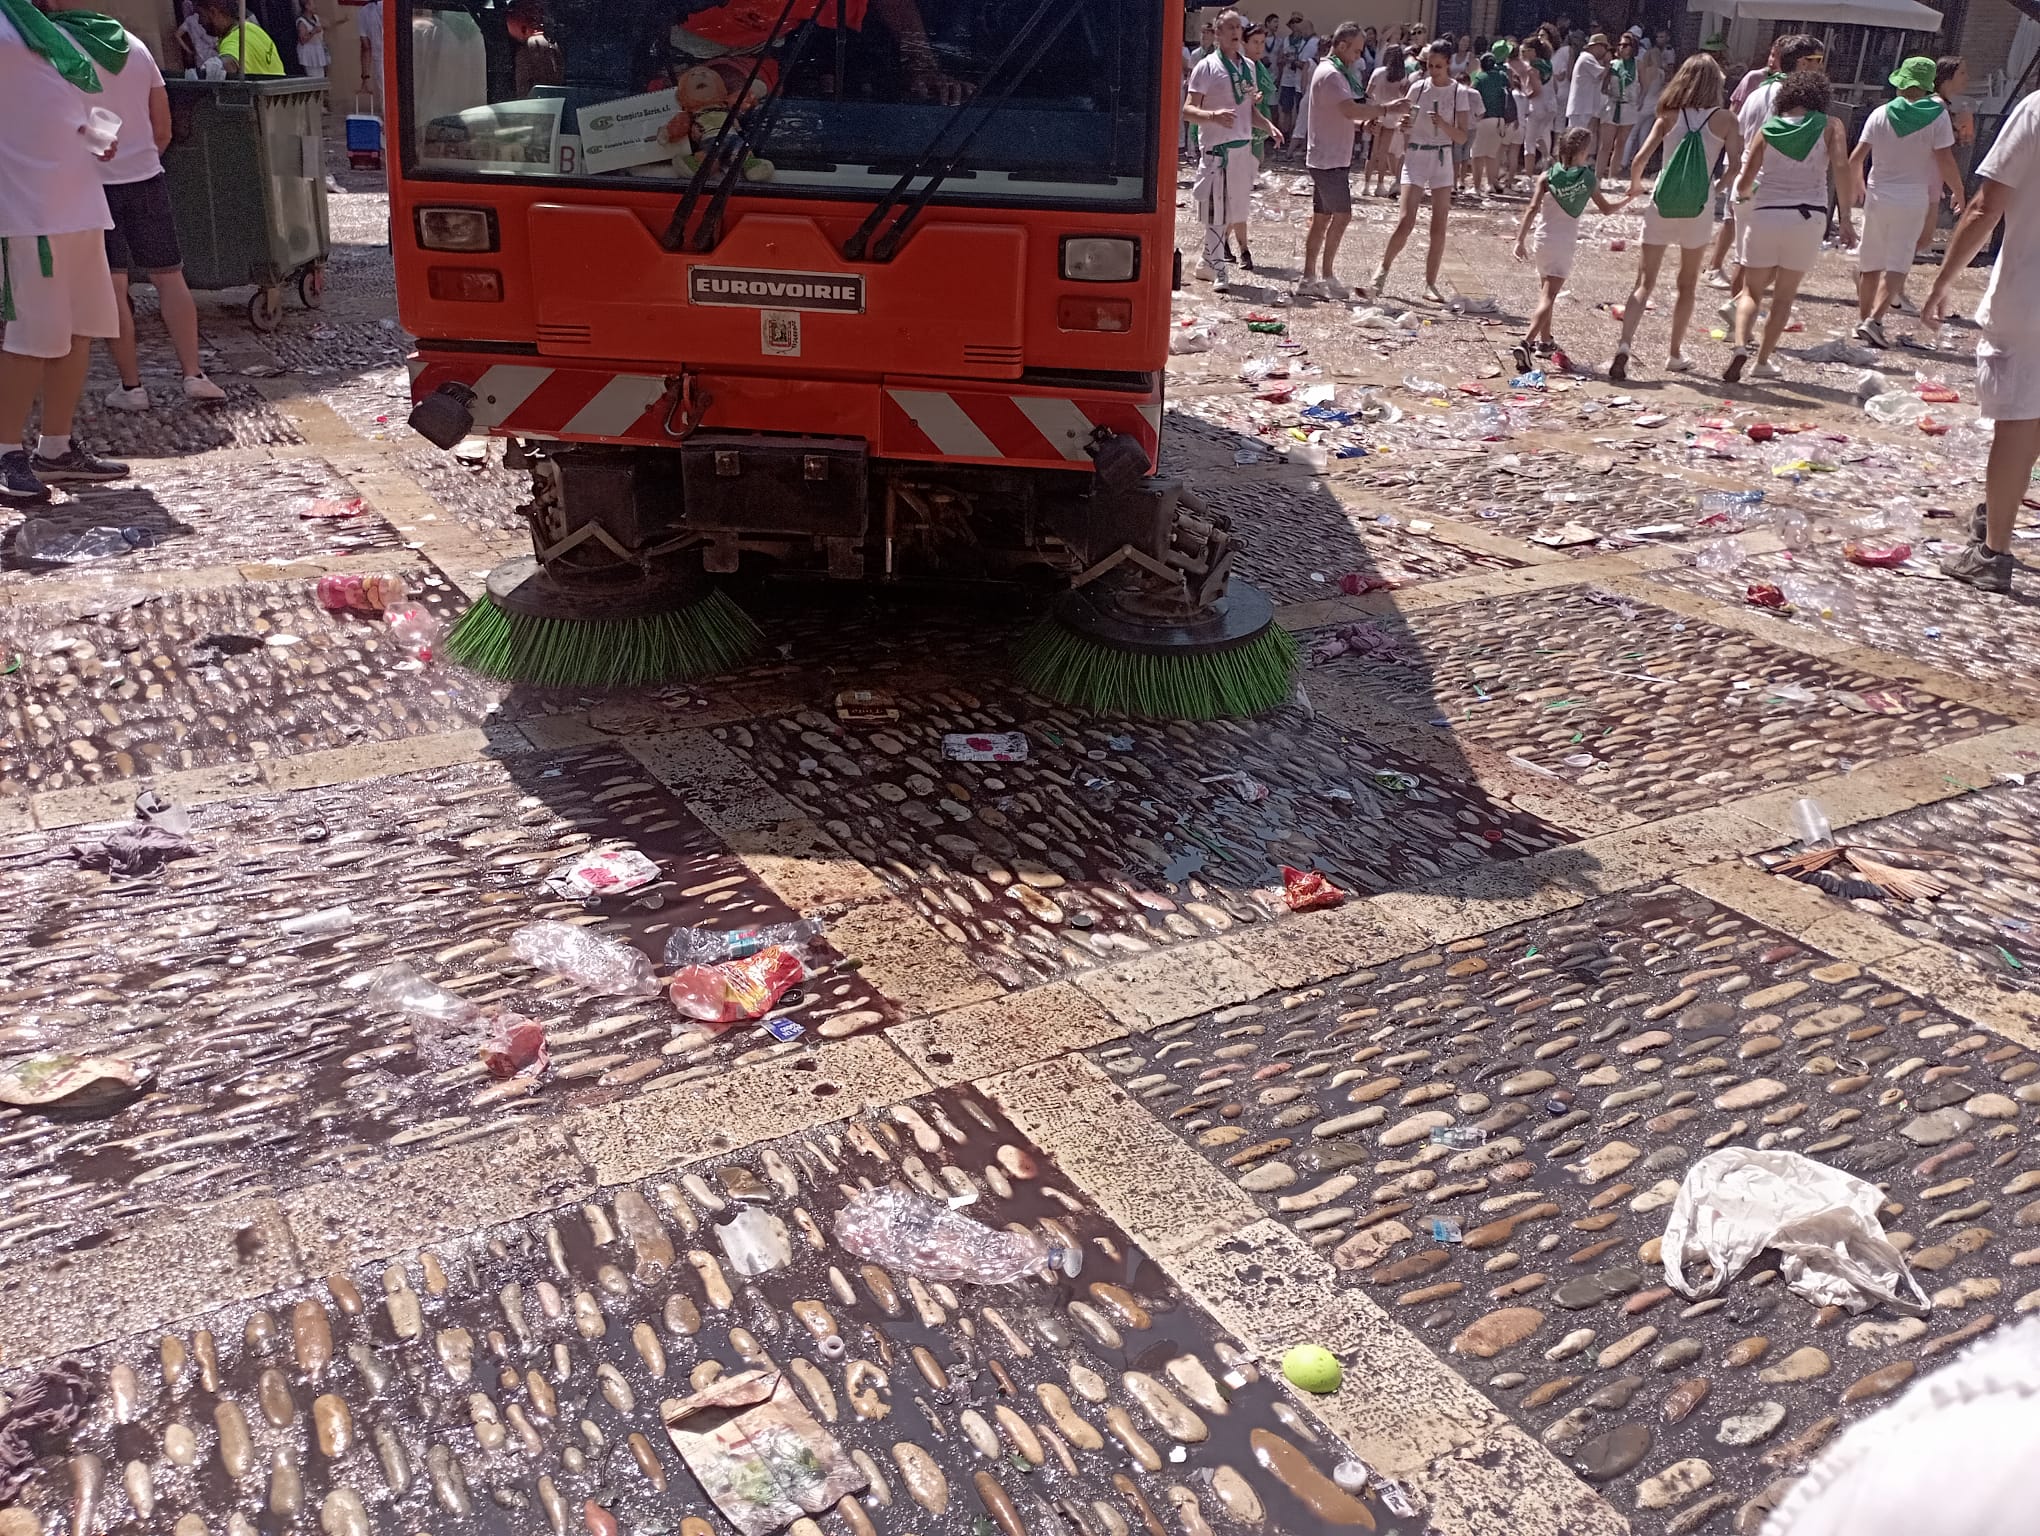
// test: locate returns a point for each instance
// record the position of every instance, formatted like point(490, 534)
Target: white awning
point(1908, 15)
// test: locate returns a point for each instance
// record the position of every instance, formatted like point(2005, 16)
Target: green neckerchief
point(1543, 69)
point(45, 37)
point(1359, 90)
point(42, 252)
point(103, 38)
point(1571, 186)
point(1909, 117)
point(1240, 74)
point(1795, 140)
point(1769, 80)
point(1266, 82)
point(1624, 71)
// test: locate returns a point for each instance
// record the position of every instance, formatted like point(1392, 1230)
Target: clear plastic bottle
point(601, 965)
point(360, 594)
point(1728, 501)
point(42, 539)
point(706, 946)
point(322, 924)
point(399, 989)
point(1810, 823)
point(417, 631)
point(909, 1233)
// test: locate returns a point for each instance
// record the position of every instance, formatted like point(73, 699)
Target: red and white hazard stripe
point(983, 426)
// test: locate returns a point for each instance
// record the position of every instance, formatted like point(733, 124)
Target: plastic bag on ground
point(601, 965)
point(909, 1233)
point(736, 990)
point(515, 1044)
point(1737, 1202)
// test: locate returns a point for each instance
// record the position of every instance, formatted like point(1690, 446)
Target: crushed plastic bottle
point(1720, 556)
point(1896, 408)
point(41, 539)
point(1711, 502)
point(909, 1233)
point(417, 631)
point(1810, 823)
point(605, 966)
point(756, 1242)
point(319, 925)
point(1188, 339)
point(399, 989)
point(360, 594)
point(706, 946)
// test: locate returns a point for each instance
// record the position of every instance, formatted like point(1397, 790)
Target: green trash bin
point(247, 173)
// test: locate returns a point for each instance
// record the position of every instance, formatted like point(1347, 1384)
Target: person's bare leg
point(1717, 252)
point(1867, 284)
point(123, 346)
point(1400, 235)
point(1748, 302)
point(1689, 290)
point(1646, 279)
point(63, 384)
point(1441, 218)
point(1547, 302)
point(1313, 242)
point(21, 380)
point(180, 318)
point(1784, 290)
point(2014, 447)
point(1333, 236)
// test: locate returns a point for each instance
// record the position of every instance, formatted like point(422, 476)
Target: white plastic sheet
point(1735, 1203)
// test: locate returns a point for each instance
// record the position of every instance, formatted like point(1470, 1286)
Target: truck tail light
point(465, 285)
point(1074, 314)
point(456, 229)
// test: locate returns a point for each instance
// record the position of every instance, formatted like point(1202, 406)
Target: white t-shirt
point(1431, 106)
point(1299, 59)
point(1584, 99)
point(48, 179)
point(1214, 89)
point(1756, 109)
point(1904, 167)
point(1562, 63)
point(1332, 132)
point(126, 96)
point(2011, 304)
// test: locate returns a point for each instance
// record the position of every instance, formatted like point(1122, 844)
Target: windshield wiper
point(676, 232)
point(708, 233)
point(855, 248)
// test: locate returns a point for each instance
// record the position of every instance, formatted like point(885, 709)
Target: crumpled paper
point(1735, 1203)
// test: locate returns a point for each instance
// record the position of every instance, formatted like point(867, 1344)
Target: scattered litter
point(604, 966)
point(608, 870)
point(758, 1453)
point(912, 1234)
point(1313, 1368)
point(1884, 556)
point(735, 990)
point(1247, 787)
point(986, 747)
point(708, 946)
point(45, 541)
point(328, 507)
point(516, 1045)
point(1852, 874)
point(1737, 1202)
point(360, 594)
point(37, 1420)
point(1308, 891)
point(1566, 536)
point(1765, 595)
point(59, 1082)
point(866, 706)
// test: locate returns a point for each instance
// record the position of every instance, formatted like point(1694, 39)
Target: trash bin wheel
point(265, 309)
point(311, 286)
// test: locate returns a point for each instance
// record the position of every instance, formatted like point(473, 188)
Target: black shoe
point(18, 484)
point(1246, 258)
point(78, 464)
point(1522, 357)
point(1229, 252)
point(1733, 372)
point(1618, 366)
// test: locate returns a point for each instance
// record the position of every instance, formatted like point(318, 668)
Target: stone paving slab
point(1115, 838)
point(516, 1378)
point(122, 685)
point(270, 1071)
point(1643, 708)
point(1486, 1138)
point(212, 516)
point(1986, 848)
point(1938, 623)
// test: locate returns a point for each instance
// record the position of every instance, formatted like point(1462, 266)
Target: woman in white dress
point(311, 41)
point(1386, 86)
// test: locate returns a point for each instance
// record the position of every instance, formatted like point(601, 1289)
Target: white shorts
point(1487, 138)
point(1891, 228)
point(1225, 185)
point(1687, 234)
point(1428, 168)
point(2008, 378)
point(1556, 243)
point(76, 299)
point(1784, 237)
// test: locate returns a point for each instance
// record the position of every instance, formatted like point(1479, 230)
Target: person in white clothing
point(368, 26)
point(2008, 353)
point(1224, 101)
point(1695, 131)
point(55, 292)
point(1389, 84)
point(1299, 59)
point(1909, 144)
point(1332, 113)
point(311, 41)
point(1783, 193)
point(1793, 53)
point(1584, 104)
point(144, 233)
point(1437, 121)
point(1562, 195)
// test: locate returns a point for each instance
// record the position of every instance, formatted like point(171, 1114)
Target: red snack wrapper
point(1882, 555)
point(1936, 394)
point(736, 990)
point(515, 1045)
point(1765, 596)
point(1305, 890)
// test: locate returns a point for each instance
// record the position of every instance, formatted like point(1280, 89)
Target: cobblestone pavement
point(324, 1267)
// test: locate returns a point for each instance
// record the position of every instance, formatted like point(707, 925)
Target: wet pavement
point(325, 1267)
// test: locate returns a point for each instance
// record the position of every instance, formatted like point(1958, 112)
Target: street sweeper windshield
point(638, 92)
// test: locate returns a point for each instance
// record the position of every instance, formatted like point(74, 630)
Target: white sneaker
point(136, 399)
point(1716, 280)
point(1378, 283)
point(1206, 272)
point(1332, 288)
point(1767, 369)
point(1677, 364)
point(1311, 288)
point(1872, 332)
point(199, 387)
